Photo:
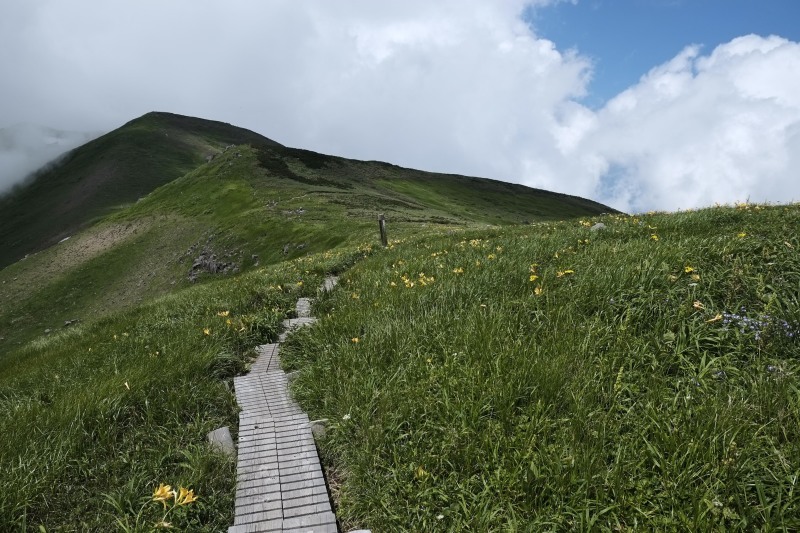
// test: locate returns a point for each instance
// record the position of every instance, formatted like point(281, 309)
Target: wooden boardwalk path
point(279, 481)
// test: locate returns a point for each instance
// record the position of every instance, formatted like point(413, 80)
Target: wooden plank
point(280, 486)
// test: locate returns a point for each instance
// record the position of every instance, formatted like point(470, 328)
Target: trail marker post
point(382, 227)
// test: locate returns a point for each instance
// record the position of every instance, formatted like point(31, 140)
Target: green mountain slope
point(113, 170)
point(252, 204)
point(117, 345)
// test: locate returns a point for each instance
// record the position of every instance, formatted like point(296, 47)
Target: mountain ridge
point(128, 163)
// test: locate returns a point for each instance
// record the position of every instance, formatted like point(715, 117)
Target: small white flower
point(439, 517)
point(346, 417)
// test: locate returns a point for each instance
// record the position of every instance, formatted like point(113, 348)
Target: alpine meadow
point(513, 360)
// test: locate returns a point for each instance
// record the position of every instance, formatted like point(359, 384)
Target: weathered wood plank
point(280, 486)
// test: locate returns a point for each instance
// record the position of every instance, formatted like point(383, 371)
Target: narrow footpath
point(279, 481)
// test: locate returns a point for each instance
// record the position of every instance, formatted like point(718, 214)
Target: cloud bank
point(461, 86)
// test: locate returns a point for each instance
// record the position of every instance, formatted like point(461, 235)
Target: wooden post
point(382, 227)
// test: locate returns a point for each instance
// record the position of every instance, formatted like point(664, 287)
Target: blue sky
point(626, 38)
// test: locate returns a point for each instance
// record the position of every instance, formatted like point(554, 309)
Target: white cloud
point(705, 129)
point(456, 86)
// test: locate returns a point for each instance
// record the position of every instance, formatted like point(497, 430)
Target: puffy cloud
point(460, 86)
point(702, 129)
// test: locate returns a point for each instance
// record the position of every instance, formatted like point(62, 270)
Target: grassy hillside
point(113, 170)
point(248, 206)
point(118, 345)
point(640, 378)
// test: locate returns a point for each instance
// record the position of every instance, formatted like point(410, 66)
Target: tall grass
point(641, 377)
point(94, 419)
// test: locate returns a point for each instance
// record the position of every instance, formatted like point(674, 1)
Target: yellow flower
point(223, 313)
point(206, 331)
point(458, 270)
point(538, 291)
point(698, 305)
point(491, 256)
point(300, 283)
point(534, 277)
point(715, 319)
point(355, 340)
point(354, 296)
point(562, 273)
point(421, 473)
point(654, 237)
point(742, 235)
point(185, 496)
point(163, 493)
point(695, 277)
point(392, 284)
point(688, 269)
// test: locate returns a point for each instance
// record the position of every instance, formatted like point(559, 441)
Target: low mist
point(25, 148)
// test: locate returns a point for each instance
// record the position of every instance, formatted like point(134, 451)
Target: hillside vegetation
point(253, 204)
point(111, 171)
point(639, 378)
point(118, 344)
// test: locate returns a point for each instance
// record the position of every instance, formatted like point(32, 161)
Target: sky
point(639, 104)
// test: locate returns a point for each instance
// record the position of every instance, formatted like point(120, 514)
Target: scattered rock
point(222, 441)
point(319, 427)
point(47, 330)
point(598, 227)
point(209, 263)
point(68, 323)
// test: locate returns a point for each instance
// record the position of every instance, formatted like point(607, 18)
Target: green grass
point(111, 171)
point(95, 418)
point(627, 395)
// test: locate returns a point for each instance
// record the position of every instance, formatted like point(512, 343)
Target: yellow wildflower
point(355, 340)
point(185, 496)
point(534, 277)
point(695, 277)
point(421, 473)
point(654, 237)
point(688, 269)
point(458, 270)
point(163, 493)
point(742, 235)
point(715, 319)
point(223, 313)
point(206, 331)
point(562, 273)
point(491, 256)
point(354, 296)
point(538, 290)
point(698, 305)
